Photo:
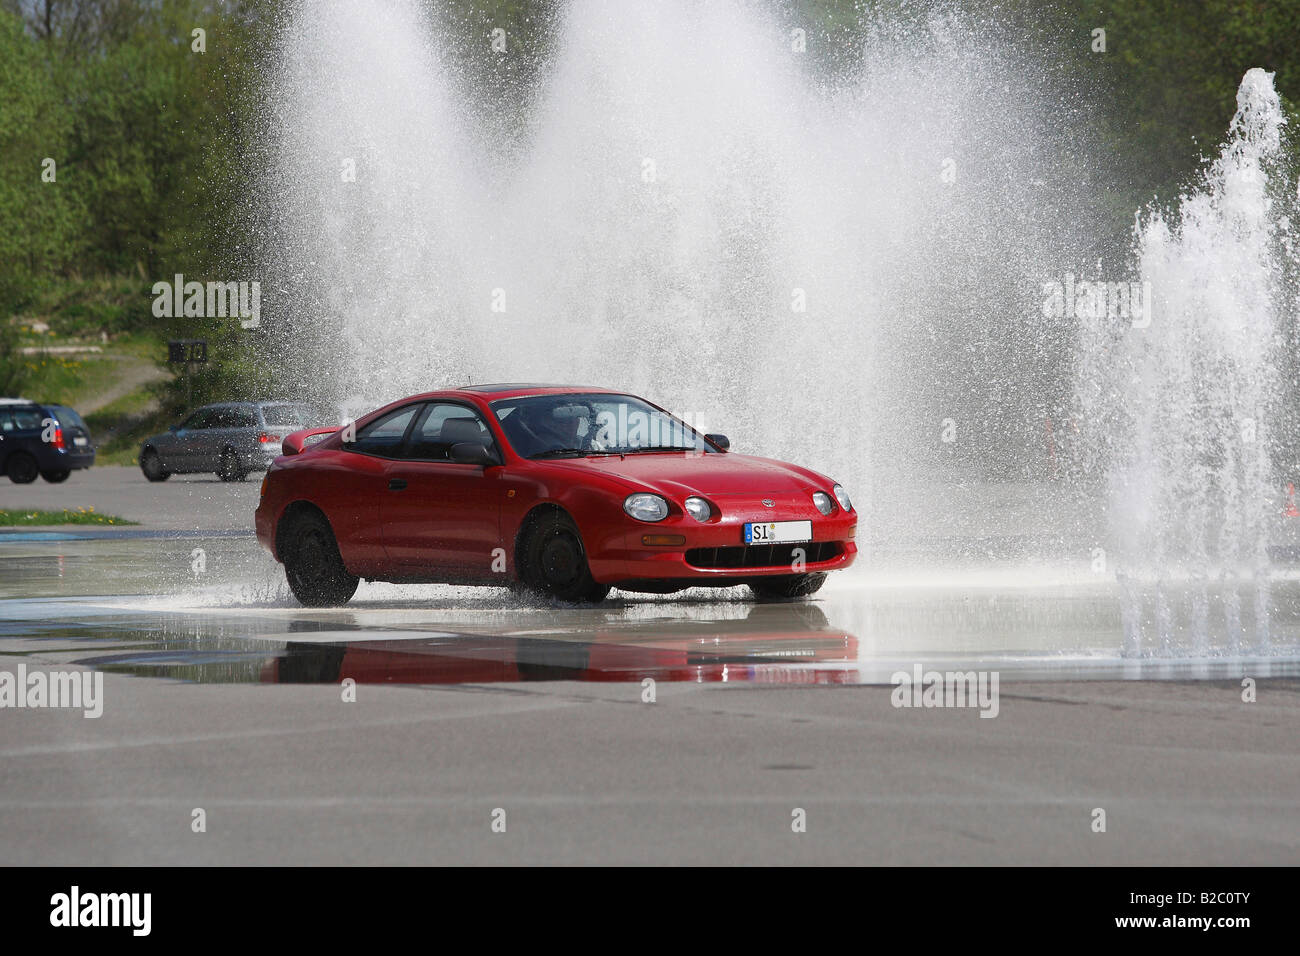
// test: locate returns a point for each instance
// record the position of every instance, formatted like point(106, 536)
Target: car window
point(67, 416)
point(442, 425)
point(27, 419)
point(234, 416)
point(6, 420)
point(200, 419)
point(384, 436)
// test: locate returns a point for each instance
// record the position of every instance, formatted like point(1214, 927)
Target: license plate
point(78, 442)
point(777, 532)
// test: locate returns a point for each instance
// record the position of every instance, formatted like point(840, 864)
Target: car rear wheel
point(313, 565)
point(21, 468)
point(787, 587)
point(555, 562)
point(152, 467)
point(54, 477)
point(230, 469)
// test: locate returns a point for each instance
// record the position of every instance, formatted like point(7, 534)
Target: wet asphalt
point(696, 728)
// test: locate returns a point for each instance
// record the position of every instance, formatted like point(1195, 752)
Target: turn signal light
point(663, 540)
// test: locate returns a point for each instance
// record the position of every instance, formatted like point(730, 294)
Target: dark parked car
point(39, 439)
point(229, 439)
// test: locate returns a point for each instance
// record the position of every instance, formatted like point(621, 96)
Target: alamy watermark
point(75, 908)
point(209, 300)
point(1087, 299)
point(75, 690)
point(946, 689)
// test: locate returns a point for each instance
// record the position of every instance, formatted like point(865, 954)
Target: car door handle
point(396, 484)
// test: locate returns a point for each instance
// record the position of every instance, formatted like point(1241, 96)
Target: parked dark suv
point(230, 439)
point(38, 439)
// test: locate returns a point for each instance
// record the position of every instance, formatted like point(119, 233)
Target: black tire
point(230, 468)
point(21, 468)
point(787, 587)
point(554, 561)
point(152, 466)
point(313, 565)
point(54, 477)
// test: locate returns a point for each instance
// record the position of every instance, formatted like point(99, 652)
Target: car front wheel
point(787, 587)
point(152, 467)
point(313, 565)
point(555, 562)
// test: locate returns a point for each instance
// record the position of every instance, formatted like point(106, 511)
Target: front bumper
point(715, 552)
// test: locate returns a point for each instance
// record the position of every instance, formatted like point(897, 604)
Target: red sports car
point(564, 491)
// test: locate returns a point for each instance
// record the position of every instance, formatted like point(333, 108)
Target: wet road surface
point(680, 729)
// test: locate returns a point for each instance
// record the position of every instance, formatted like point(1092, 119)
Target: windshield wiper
point(560, 453)
point(635, 451)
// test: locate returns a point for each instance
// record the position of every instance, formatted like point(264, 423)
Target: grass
point(120, 426)
point(84, 308)
point(24, 518)
point(66, 379)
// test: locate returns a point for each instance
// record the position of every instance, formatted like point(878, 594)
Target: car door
point(440, 517)
point(17, 433)
point(7, 444)
point(29, 433)
point(179, 450)
point(209, 441)
point(235, 427)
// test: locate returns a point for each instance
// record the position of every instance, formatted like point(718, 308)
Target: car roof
point(519, 390)
point(17, 401)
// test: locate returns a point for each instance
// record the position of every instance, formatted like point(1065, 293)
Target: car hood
point(684, 474)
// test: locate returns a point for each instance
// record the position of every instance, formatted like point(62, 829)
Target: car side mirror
point(720, 440)
point(472, 453)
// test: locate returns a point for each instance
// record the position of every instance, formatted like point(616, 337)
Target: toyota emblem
point(768, 503)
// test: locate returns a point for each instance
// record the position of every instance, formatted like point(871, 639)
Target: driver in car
point(553, 427)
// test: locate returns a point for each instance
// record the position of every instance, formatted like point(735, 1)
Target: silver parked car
point(229, 439)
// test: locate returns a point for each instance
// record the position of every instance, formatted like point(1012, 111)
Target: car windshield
point(577, 425)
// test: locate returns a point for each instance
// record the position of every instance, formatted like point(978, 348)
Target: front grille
point(762, 556)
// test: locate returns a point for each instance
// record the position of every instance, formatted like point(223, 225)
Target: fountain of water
point(1189, 408)
point(828, 269)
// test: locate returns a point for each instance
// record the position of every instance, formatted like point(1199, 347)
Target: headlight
point(698, 509)
point(646, 507)
point(823, 502)
point(842, 497)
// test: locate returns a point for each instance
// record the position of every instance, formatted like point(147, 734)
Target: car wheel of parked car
point(54, 477)
point(231, 469)
point(787, 586)
point(313, 565)
point(555, 562)
point(21, 468)
point(152, 467)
